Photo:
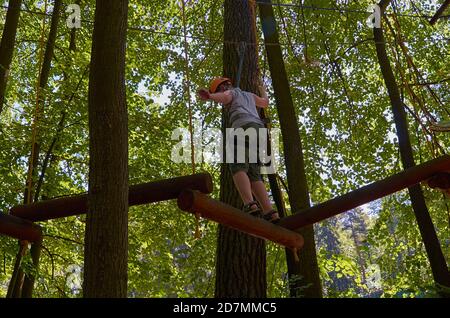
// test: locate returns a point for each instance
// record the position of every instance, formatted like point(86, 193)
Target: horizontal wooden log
point(19, 228)
point(371, 192)
point(199, 203)
point(439, 12)
point(145, 193)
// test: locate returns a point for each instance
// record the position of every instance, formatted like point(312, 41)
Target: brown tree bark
point(304, 275)
point(241, 259)
point(50, 47)
point(25, 282)
point(35, 250)
point(17, 277)
point(73, 34)
point(106, 238)
point(432, 246)
point(7, 45)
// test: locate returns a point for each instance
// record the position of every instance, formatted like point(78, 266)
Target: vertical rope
point(187, 84)
point(36, 112)
point(13, 285)
point(188, 93)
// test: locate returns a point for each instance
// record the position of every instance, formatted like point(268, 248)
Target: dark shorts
point(251, 168)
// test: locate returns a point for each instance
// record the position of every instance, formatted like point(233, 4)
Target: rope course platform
point(436, 172)
point(202, 205)
point(191, 192)
point(144, 193)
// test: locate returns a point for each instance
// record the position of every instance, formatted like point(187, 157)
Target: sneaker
point(252, 208)
point(271, 216)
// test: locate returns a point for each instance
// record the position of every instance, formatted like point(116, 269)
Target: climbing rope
point(188, 95)
point(411, 63)
point(443, 126)
point(13, 286)
point(432, 126)
point(35, 124)
point(187, 84)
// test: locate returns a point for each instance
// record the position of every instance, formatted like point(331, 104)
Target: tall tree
point(28, 284)
point(436, 257)
point(17, 277)
point(7, 45)
point(305, 278)
point(44, 74)
point(106, 238)
point(241, 259)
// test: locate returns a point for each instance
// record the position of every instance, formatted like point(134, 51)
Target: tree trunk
point(28, 281)
point(106, 239)
point(17, 277)
point(427, 231)
point(49, 49)
point(73, 33)
point(15, 283)
point(241, 259)
point(306, 272)
point(7, 45)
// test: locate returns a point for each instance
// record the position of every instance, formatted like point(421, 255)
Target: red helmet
point(215, 83)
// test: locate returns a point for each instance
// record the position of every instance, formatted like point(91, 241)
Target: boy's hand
point(203, 94)
point(262, 91)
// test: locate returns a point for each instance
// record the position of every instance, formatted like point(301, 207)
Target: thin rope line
point(289, 5)
point(207, 39)
point(36, 112)
point(187, 84)
point(340, 10)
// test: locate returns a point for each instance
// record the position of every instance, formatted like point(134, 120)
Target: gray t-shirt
point(242, 109)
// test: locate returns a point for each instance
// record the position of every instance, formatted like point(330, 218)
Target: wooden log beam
point(371, 192)
point(138, 194)
point(19, 228)
point(199, 203)
point(439, 12)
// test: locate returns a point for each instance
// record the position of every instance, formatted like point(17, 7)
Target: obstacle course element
point(150, 192)
point(200, 204)
point(191, 193)
point(19, 228)
point(427, 171)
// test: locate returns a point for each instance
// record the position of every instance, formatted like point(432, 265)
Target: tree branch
point(63, 238)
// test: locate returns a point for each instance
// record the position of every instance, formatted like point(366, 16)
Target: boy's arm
point(262, 101)
point(222, 98)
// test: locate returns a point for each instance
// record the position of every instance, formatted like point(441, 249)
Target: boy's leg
point(242, 183)
point(254, 174)
point(241, 179)
point(260, 192)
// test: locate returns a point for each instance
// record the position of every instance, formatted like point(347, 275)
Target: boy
point(242, 109)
